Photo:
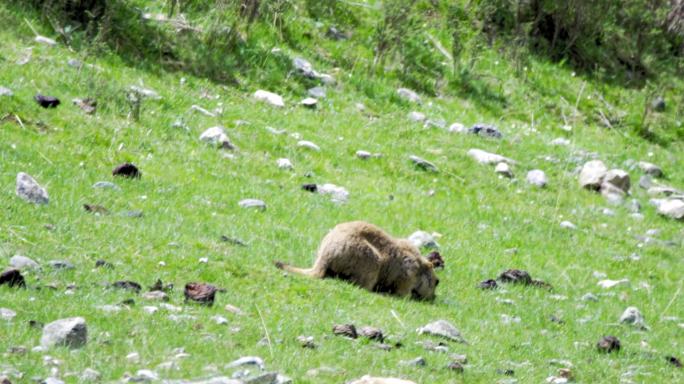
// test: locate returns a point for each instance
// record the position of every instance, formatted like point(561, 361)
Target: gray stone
point(155, 296)
point(106, 185)
point(422, 163)
point(264, 378)
point(646, 182)
point(672, 208)
point(144, 376)
point(61, 264)
point(7, 314)
point(633, 316)
point(246, 360)
point(592, 174)
point(613, 194)
point(442, 328)
point(363, 154)
point(589, 297)
point(417, 362)
point(661, 190)
point(408, 95)
point(90, 374)
point(45, 40)
point(145, 92)
point(213, 380)
point(217, 136)
point(504, 169)
point(284, 163)
point(252, 203)
point(317, 92)
point(560, 142)
point(309, 145)
point(309, 102)
point(303, 67)
point(380, 380)
point(658, 104)
point(435, 123)
point(6, 92)
point(29, 190)
point(71, 332)
point(484, 157)
point(634, 206)
point(337, 194)
point(650, 169)
point(537, 178)
point(486, 130)
point(269, 97)
point(52, 380)
point(567, 225)
point(457, 128)
point(416, 116)
point(422, 239)
point(617, 178)
point(23, 262)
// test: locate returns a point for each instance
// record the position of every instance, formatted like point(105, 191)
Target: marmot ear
point(435, 259)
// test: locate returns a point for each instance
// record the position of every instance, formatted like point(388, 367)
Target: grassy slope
point(189, 196)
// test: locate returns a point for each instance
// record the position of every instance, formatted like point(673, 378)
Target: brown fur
point(367, 256)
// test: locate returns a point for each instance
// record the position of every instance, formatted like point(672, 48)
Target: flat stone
point(29, 189)
point(252, 203)
point(246, 360)
point(560, 142)
point(537, 178)
point(45, 40)
point(284, 163)
point(484, 157)
point(23, 262)
point(106, 185)
point(71, 332)
point(442, 328)
point(309, 145)
point(90, 374)
point(423, 164)
point(592, 174)
point(213, 380)
point(303, 67)
point(270, 98)
point(417, 362)
point(61, 264)
point(309, 102)
point(317, 92)
point(650, 169)
point(363, 154)
point(607, 283)
point(672, 208)
point(155, 296)
point(146, 93)
point(567, 225)
point(380, 380)
point(337, 194)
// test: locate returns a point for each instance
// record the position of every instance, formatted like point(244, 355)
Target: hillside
point(160, 84)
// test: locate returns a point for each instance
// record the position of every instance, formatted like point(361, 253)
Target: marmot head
point(426, 282)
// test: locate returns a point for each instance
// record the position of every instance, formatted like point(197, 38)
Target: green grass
point(189, 194)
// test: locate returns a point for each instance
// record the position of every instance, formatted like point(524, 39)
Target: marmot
point(367, 256)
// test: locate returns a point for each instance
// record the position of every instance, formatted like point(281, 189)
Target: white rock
point(276, 131)
point(145, 92)
point(633, 316)
point(246, 360)
point(109, 308)
point(363, 154)
point(504, 169)
point(252, 203)
point(672, 208)
point(269, 97)
point(317, 92)
point(220, 320)
point(284, 163)
point(170, 307)
point(133, 357)
point(309, 102)
point(592, 173)
point(560, 142)
point(617, 178)
point(90, 374)
point(326, 78)
point(650, 169)
point(308, 144)
point(537, 178)
point(613, 194)
point(567, 225)
point(106, 185)
point(201, 110)
point(71, 332)
point(155, 296)
point(7, 314)
point(416, 116)
point(367, 379)
point(52, 380)
point(29, 190)
point(150, 309)
point(23, 262)
point(216, 136)
point(457, 128)
point(589, 297)
point(6, 92)
point(423, 239)
point(304, 67)
point(337, 194)
point(45, 40)
point(146, 375)
point(607, 284)
point(442, 328)
point(408, 95)
point(484, 157)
